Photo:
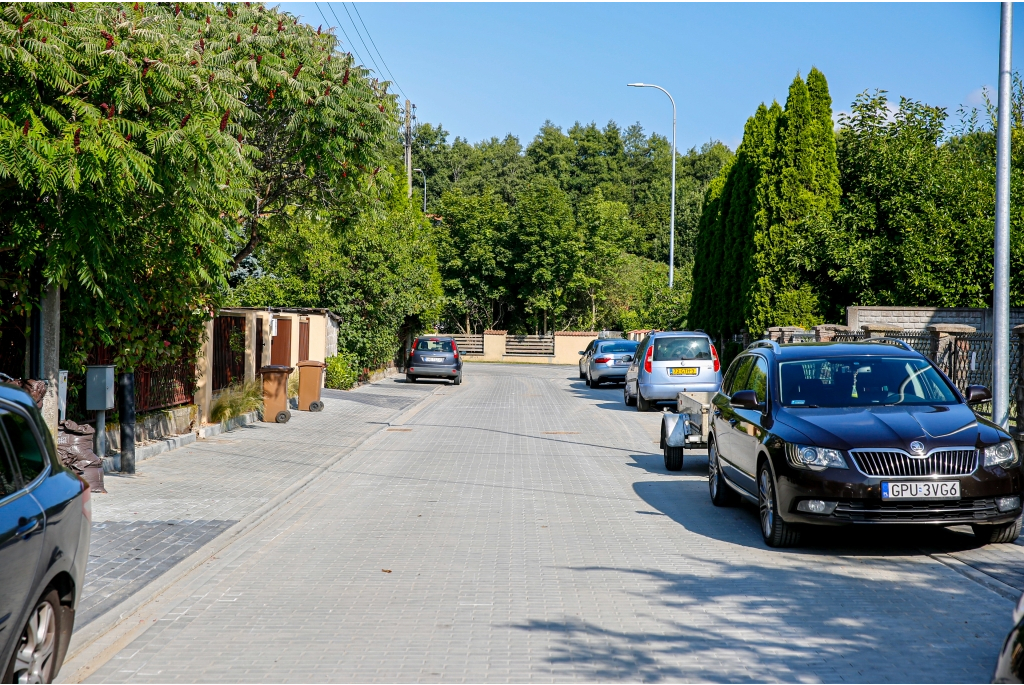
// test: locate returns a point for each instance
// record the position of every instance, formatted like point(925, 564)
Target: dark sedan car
point(45, 513)
point(434, 356)
point(859, 433)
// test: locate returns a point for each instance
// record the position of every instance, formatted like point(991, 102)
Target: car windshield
point(674, 348)
point(862, 381)
point(618, 347)
point(431, 345)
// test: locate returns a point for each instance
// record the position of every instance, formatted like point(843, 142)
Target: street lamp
point(1001, 280)
point(424, 190)
point(672, 213)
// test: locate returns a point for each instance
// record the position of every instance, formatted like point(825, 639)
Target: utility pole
point(424, 189)
point(1001, 285)
point(408, 146)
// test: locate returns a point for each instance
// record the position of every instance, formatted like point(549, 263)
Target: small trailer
point(689, 427)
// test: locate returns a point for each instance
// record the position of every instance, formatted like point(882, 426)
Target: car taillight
point(602, 360)
point(714, 355)
point(86, 498)
point(647, 359)
point(455, 349)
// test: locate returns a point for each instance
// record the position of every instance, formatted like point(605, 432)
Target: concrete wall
point(494, 346)
point(331, 343)
point(318, 337)
point(919, 318)
point(569, 344)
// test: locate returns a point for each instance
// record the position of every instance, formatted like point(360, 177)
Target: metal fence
point(469, 344)
point(530, 344)
point(228, 351)
point(165, 386)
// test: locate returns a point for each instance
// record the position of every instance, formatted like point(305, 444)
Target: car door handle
point(27, 526)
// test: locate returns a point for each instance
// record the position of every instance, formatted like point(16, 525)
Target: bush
point(342, 371)
point(293, 384)
point(237, 399)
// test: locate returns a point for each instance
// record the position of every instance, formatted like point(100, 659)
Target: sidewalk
point(183, 499)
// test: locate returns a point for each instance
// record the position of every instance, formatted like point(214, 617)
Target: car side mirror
point(976, 394)
point(744, 399)
point(582, 352)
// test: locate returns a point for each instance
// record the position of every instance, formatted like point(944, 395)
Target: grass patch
point(237, 399)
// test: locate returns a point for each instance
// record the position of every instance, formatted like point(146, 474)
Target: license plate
point(946, 489)
point(684, 371)
point(433, 359)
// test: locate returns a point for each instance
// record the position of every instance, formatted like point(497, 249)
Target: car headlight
point(814, 458)
point(1003, 454)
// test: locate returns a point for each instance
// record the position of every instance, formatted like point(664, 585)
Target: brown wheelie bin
point(275, 393)
point(311, 375)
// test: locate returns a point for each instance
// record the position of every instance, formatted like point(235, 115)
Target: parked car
point(859, 433)
point(667, 363)
point(45, 513)
point(434, 356)
point(1010, 666)
point(606, 361)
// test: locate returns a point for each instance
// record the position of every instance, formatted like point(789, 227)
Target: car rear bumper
point(666, 392)
point(433, 371)
point(859, 500)
point(609, 373)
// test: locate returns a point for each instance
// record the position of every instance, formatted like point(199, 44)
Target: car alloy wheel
point(33, 658)
point(776, 532)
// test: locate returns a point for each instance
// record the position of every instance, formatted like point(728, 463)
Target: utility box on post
point(99, 397)
point(99, 388)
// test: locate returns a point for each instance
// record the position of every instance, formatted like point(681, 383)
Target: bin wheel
point(283, 416)
point(316, 406)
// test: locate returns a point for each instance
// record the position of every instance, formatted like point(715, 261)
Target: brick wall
point(919, 318)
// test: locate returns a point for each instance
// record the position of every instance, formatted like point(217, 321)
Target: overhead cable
point(390, 75)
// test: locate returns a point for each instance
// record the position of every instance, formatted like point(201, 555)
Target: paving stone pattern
point(180, 500)
point(523, 528)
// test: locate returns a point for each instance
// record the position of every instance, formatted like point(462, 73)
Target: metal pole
point(672, 209)
point(424, 190)
point(408, 145)
point(1001, 289)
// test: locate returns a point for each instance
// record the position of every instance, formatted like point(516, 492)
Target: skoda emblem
point(917, 448)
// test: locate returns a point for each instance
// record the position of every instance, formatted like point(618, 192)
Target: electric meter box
point(99, 388)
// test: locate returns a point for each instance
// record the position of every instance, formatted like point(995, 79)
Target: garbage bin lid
point(276, 368)
point(310, 362)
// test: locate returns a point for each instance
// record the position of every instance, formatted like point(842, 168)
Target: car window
point(757, 380)
point(739, 379)
point(618, 347)
point(8, 481)
point(681, 347)
point(23, 441)
point(641, 349)
point(433, 345)
point(862, 381)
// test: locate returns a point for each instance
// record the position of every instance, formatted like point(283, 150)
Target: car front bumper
point(667, 392)
point(859, 500)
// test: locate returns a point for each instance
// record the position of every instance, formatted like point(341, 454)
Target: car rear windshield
point(675, 348)
point(618, 347)
point(862, 381)
point(431, 345)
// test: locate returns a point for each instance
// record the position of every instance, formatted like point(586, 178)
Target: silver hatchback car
point(668, 363)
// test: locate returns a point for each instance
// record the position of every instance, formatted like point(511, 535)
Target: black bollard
point(126, 403)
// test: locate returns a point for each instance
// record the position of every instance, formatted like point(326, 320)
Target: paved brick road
point(522, 527)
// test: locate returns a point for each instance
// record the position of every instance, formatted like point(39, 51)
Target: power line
point(365, 46)
point(351, 44)
point(392, 76)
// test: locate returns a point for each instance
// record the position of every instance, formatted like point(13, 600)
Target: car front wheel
point(776, 532)
point(35, 654)
point(1007, 532)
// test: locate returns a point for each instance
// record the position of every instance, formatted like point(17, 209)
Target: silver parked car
point(606, 361)
point(668, 363)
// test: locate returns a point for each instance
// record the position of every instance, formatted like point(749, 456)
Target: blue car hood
point(889, 427)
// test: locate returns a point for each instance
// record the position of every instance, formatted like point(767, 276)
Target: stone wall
point(919, 318)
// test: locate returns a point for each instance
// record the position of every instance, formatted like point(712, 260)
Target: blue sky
point(485, 70)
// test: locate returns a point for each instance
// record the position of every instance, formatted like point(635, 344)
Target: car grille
point(965, 510)
point(938, 463)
